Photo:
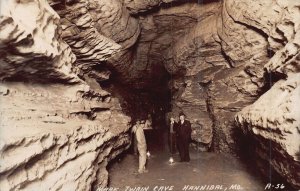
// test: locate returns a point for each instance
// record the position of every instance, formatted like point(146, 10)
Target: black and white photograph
point(149, 95)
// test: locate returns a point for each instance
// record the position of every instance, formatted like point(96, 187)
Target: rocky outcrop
point(212, 79)
point(81, 31)
point(223, 58)
point(114, 21)
point(30, 44)
point(245, 50)
point(58, 138)
point(59, 128)
point(274, 120)
point(140, 6)
point(216, 57)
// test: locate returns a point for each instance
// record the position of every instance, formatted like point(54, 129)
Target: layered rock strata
point(226, 58)
point(228, 64)
point(140, 6)
point(58, 132)
point(218, 56)
point(30, 47)
point(58, 137)
point(273, 120)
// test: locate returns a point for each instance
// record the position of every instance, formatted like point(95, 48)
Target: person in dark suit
point(183, 132)
point(172, 135)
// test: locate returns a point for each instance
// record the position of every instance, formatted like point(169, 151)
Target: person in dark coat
point(172, 135)
point(183, 132)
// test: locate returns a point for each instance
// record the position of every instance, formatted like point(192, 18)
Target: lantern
point(171, 160)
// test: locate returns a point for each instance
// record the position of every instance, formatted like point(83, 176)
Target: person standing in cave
point(141, 146)
point(183, 132)
point(172, 135)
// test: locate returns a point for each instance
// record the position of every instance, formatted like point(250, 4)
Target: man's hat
point(181, 113)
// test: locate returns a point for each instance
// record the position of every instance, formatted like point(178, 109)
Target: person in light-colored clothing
point(141, 146)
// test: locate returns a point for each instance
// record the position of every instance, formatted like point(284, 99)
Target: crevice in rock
point(247, 152)
point(209, 109)
point(163, 5)
point(228, 59)
point(270, 78)
point(149, 101)
point(257, 30)
point(215, 138)
point(87, 76)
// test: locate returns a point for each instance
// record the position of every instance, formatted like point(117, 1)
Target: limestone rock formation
point(233, 58)
point(137, 6)
point(217, 60)
point(206, 64)
point(81, 31)
point(113, 20)
point(30, 43)
point(58, 132)
point(274, 119)
point(58, 137)
point(227, 53)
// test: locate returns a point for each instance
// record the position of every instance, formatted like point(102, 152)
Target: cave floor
point(210, 170)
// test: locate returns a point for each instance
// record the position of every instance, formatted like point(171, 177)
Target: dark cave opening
point(170, 4)
point(152, 101)
point(155, 101)
point(255, 165)
point(78, 75)
point(270, 78)
point(149, 102)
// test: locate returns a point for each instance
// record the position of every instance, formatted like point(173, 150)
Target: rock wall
point(273, 122)
point(274, 118)
point(225, 63)
point(217, 57)
point(210, 85)
point(57, 137)
point(30, 47)
point(222, 59)
point(59, 128)
point(114, 21)
point(206, 54)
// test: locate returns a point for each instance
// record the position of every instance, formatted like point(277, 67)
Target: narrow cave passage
point(210, 170)
point(205, 171)
point(159, 93)
point(77, 75)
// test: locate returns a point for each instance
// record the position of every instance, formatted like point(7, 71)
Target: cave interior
point(76, 75)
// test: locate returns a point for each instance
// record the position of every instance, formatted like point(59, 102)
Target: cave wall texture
point(58, 130)
point(231, 66)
